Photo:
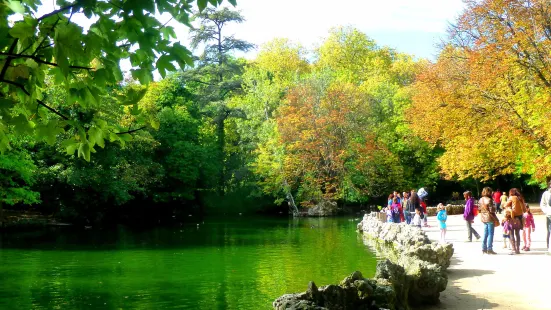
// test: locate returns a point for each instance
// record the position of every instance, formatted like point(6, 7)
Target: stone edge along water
point(413, 273)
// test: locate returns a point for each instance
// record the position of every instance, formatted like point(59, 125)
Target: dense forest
point(348, 122)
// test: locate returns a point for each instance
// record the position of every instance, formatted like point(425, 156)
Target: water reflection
point(231, 264)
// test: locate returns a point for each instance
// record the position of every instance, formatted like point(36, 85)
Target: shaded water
point(243, 263)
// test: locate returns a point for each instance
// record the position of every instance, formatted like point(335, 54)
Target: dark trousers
point(498, 207)
point(471, 231)
point(515, 235)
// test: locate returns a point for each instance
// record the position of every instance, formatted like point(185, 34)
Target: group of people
point(517, 218)
point(409, 207)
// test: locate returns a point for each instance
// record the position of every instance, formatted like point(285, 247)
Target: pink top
point(529, 220)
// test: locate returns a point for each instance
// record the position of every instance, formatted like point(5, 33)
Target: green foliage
point(82, 63)
point(17, 175)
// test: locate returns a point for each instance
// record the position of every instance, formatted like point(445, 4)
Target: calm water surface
point(243, 263)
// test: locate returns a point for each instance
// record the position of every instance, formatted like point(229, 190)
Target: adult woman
point(487, 213)
point(468, 216)
point(412, 204)
point(518, 207)
point(389, 202)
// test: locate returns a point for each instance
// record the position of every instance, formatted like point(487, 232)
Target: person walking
point(487, 213)
point(518, 207)
point(468, 215)
point(529, 228)
point(545, 205)
point(497, 200)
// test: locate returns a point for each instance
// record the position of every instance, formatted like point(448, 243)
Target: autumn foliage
point(486, 99)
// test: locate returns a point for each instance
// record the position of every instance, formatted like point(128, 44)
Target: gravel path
point(502, 281)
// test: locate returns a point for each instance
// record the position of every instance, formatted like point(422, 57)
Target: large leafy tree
point(218, 74)
point(83, 62)
point(486, 98)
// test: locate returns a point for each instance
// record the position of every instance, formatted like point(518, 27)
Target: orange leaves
point(316, 130)
point(486, 99)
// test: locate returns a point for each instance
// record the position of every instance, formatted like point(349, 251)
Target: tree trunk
point(290, 199)
point(221, 144)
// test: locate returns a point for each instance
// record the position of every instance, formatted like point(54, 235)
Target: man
point(545, 205)
point(407, 215)
point(497, 200)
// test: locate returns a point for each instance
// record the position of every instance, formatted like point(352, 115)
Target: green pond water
point(242, 263)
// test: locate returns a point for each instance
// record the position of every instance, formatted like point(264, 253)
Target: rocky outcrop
point(413, 274)
point(354, 292)
point(324, 208)
point(424, 262)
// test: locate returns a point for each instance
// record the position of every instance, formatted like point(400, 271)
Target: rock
point(413, 273)
point(324, 208)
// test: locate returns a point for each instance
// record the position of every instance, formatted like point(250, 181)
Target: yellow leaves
point(489, 90)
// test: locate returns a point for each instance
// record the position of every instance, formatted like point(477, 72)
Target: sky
point(410, 26)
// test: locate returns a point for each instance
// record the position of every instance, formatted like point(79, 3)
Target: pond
point(242, 263)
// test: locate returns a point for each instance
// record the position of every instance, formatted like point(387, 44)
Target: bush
point(450, 209)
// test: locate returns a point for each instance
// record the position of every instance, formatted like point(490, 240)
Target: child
point(505, 232)
point(395, 208)
point(389, 215)
point(442, 216)
point(529, 227)
point(507, 224)
point(417, 219)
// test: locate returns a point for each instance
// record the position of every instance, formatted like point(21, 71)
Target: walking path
point(502, 281)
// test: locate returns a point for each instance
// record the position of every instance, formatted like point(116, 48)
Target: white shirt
point(545, 203)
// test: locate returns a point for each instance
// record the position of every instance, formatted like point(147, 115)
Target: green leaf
point(202, 4)
point(135, 110)
point(22, 124)
point(84, 151)
point(133, 96)
point(145, 76)
point(164, 64)
point(182, 55)
point(48, 132)
point(233, 2)
point(16, 6)
point(21, 30)
point(95, 136)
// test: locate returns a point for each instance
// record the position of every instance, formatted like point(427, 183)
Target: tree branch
point(131, 131)
point(8, 60)
point(45, 37)
point(40, 102)
point(63, 9)
point(37, 59)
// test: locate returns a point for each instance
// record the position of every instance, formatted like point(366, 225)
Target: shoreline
point(502, 281)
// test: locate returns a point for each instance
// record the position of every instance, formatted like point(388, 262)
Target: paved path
point(500, 281)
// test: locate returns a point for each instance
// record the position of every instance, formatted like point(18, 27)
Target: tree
point(217, 75)
point(486, 99)
point(17, 175)
point(84, 62)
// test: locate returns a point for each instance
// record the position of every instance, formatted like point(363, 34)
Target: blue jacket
point(442, 216)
